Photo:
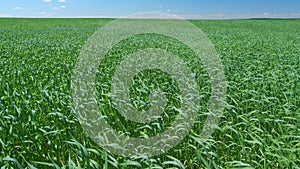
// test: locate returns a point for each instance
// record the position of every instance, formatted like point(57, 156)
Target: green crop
point(260, 127)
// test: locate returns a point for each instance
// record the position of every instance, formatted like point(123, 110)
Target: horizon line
point(113, 17)
point(92, 17)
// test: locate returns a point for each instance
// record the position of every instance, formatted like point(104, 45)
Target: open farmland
point(260, 127)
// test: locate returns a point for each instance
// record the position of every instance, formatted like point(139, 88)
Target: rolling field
point(260, 127)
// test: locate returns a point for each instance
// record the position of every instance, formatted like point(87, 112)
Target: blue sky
point(206, 9)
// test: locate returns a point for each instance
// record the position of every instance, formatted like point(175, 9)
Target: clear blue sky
point(118, 8)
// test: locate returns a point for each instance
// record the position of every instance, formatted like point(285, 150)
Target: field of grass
point(260, 127)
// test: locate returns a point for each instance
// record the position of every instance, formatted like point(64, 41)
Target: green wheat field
point(260, 127)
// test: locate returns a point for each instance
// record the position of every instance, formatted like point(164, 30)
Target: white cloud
point(154, 16)
point(92, 16)
point(266, 14)
point(295, 15)
point(271, 15)
point(211, 16)
point(4, 15)
point(55, 8)
point(17, 8)
point(47, 0)
point(63, 6)
point(242, 16)
point(62, 0)
point(44, 14)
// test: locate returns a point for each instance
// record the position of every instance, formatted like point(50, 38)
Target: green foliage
point(261, 123)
